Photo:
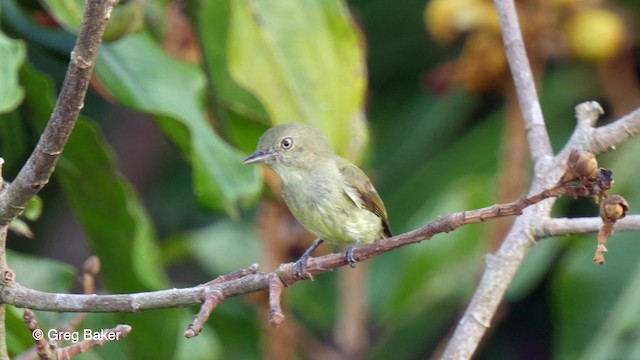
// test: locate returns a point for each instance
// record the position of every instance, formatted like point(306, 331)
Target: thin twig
point(213, 298)
point(276, 316)
point(565, 226)
point(43, 350)
point(93, 339)
point(17, 295)
point(233, 275)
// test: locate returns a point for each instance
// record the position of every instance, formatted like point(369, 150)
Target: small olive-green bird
point(327, 194)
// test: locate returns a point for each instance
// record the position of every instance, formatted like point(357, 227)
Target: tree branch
point(37, 170)
point(244, 281)
point(567, 226)
point(535, 128)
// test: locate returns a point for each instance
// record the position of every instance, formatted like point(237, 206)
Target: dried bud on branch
point(581, 165)
point(612, 209)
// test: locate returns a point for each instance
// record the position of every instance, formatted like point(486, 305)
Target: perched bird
point(327, 194)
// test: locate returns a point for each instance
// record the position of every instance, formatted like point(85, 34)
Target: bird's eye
point(286, 143)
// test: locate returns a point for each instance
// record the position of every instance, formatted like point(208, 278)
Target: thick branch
point(36, 172)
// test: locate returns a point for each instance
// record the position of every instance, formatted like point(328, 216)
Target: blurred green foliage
point(178, 210)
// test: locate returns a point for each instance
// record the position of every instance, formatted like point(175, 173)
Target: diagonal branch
point(35, 174)
point(536, 130)
point(247, 280)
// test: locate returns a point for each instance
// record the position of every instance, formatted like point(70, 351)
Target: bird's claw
point(348, 256)
point(300, 267)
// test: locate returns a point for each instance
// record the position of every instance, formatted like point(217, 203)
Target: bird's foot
point(348, 256)
point(300, 267)
point(301, 264)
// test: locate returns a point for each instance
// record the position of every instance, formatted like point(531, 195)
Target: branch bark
point(567, 226)
point(535, 128)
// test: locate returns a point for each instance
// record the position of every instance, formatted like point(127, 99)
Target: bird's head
point(292, 146)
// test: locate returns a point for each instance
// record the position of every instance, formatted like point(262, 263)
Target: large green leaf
point(305, 61)
point(239, 111)
point(12, 55)
point(139, 74)
point(117, 225)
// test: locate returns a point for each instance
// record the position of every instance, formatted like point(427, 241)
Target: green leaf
point(238, 110)
point(12, 55)
point(305, 61)
point(129, 70)
point(13, 146)
point(213, 25)
point(40, 273)
point(221, 247)
point(124, 19)
point(117, 225)
point(616, 338)
point(67, 13)
point(34, 209)
point(21, 228)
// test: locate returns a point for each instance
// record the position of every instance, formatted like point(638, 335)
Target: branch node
point(37, 186)
point(107, 13)
point(480, 320)
point(588, 113)
point(288, 276)
point(80, 61)
point(7, 276)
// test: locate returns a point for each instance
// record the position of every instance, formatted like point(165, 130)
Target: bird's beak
point(258, 157)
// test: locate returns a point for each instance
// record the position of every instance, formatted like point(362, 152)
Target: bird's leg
point(348, 256)
point(302, 262)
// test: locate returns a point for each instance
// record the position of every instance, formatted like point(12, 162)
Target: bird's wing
point(363, 194)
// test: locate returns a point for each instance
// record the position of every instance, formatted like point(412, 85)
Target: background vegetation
point(152, 181)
